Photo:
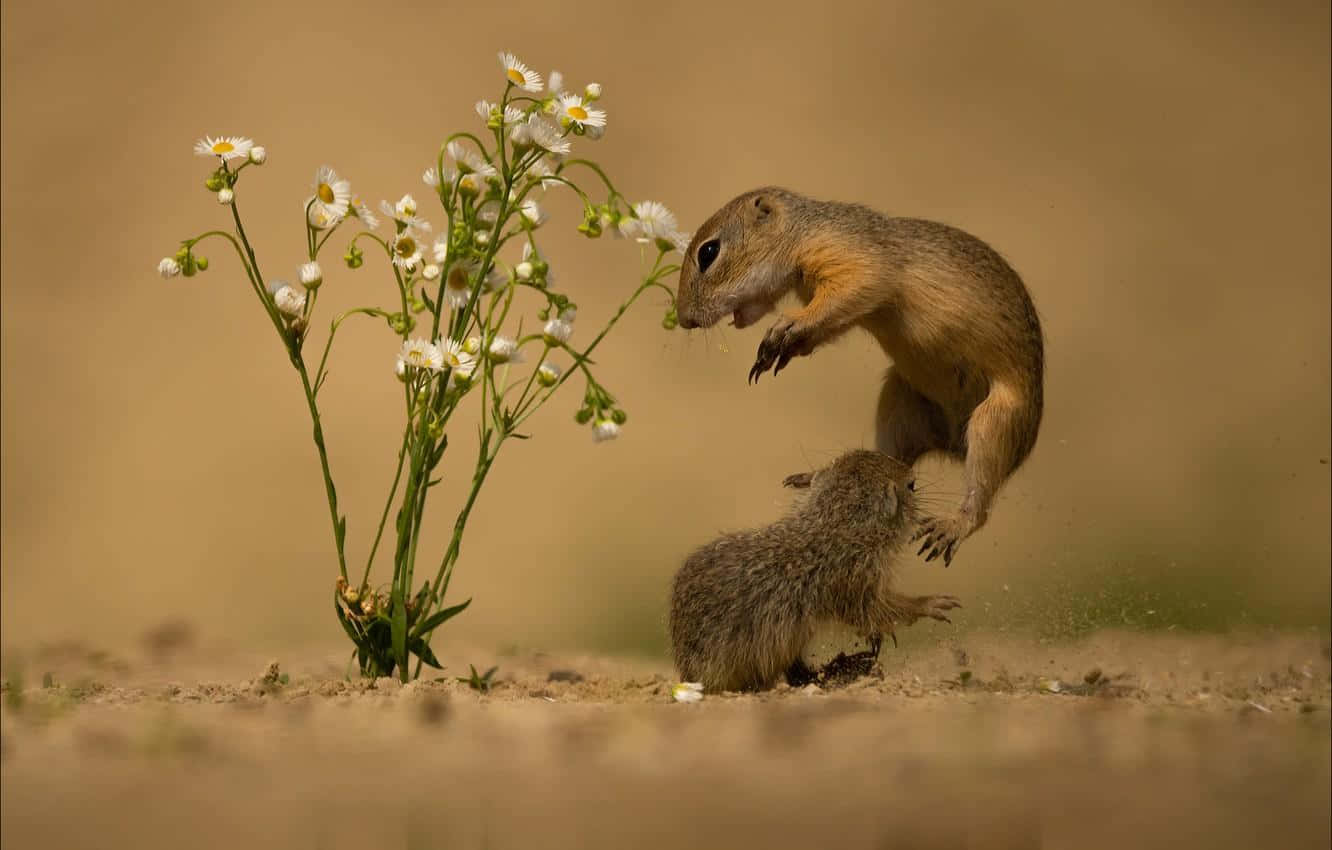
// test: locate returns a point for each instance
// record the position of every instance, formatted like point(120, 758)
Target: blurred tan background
point(1158, 173)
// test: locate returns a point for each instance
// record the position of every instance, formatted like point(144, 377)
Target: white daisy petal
point(519, 74)
point(573, 110)
point(168, 267)
point(224, 147)
point(421, 354)
point(332, 197)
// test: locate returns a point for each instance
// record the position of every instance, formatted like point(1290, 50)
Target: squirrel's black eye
point(911, 485)
point(707, 252)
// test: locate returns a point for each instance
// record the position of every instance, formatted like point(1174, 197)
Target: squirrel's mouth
point(749, 312)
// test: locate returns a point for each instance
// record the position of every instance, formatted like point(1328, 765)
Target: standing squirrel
point(744, 607)
point(955, 319)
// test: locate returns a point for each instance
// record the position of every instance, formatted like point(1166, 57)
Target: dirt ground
point(1120, 740)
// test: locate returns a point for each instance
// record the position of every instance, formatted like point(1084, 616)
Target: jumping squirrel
point(955, 319)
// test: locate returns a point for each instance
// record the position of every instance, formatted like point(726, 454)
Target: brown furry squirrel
point(744, 606)
point(956, 320)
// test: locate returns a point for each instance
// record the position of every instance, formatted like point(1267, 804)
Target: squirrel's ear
point(762, 208)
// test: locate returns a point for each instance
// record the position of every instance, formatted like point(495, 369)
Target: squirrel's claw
point(939, 538)
point(782, 342)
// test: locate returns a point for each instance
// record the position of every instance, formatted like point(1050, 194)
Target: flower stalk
point(465, 292)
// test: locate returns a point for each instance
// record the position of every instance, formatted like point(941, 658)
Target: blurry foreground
point(1119, 741)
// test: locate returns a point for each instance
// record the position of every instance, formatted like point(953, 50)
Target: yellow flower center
point(325, 193)
point(405, 246)
point(515, 76)
point(416, 357)
point(578, 113)
point(223, 147)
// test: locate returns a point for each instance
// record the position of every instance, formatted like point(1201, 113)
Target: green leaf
point(346, 626)
point(438, 618)
point(342, 530)
point(422, 650)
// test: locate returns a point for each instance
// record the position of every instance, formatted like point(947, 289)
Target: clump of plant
point(476, 312)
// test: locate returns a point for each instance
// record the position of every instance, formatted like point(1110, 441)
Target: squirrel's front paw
point(784, 340)
point(941, 536)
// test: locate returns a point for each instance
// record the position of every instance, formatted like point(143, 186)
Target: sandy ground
point(1178, 741)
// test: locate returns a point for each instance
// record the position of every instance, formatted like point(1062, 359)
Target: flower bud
point(592, 91)
point(469, 184)
point(289, 301)
point(168, 268)
point(430, 272)
point(604, 430)
point(482, 238)
point(215, 183)
point(400, 369)
point(190, 267)
point(311, 275)
point(548, 374)
point(619, 417)
point(202, 263)
point(258, 155)
point(557, 332)
point(523, 271)
point(472, 345)
point(225, 196)
point(583, 416)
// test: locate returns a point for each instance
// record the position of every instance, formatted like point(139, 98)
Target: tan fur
point(744, 606)
point(955, 319)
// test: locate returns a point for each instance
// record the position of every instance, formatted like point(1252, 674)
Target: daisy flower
point(455, 358)
point(548, 374)
point(224, 147)
point(421, 354)
point(573, 110)
point(431, 177)
point(523, 271)
point(458, 286)
point(168, 267)
point(404, 213)
point(361, 211)
point(604, 430)
point(289, 300)
point(440, 250)
point(332, 196)
point(406, 250)
point(489, 111)
point(592, 92)
point(258, 154)
point(225, 196)
point(544, 136)
point(687, 691)
point(430, 272)
point(531, 213)
point(519, 74)
point(505, 350)
point(651, 221)
point(541, 171)
point(311, 275)
point(469, 161)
